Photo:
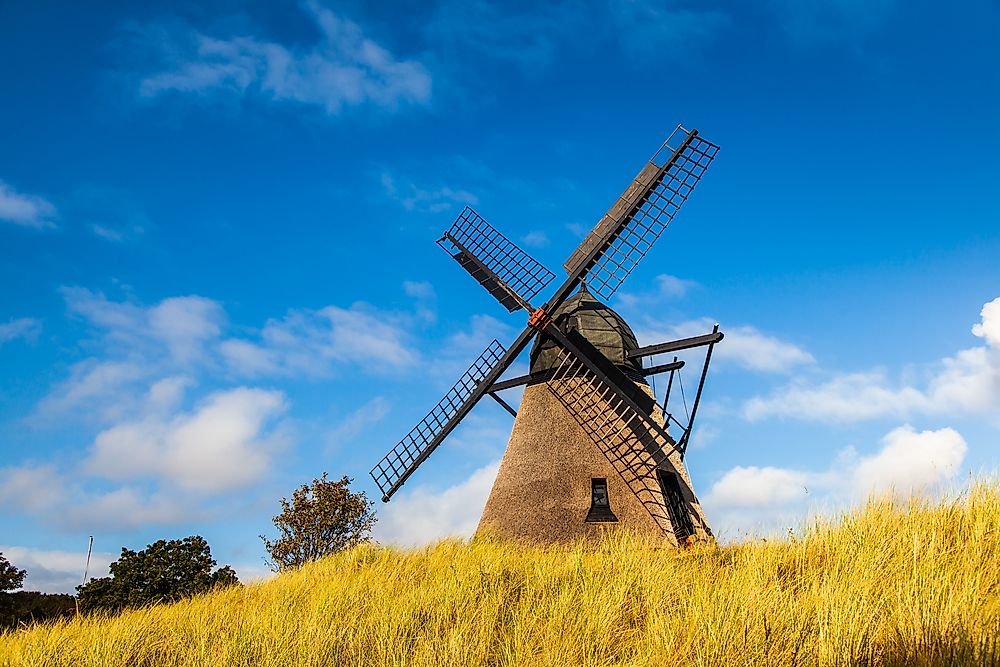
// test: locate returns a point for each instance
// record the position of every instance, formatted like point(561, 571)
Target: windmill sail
point(396, 466)
point(636, 220)
point(511, 275)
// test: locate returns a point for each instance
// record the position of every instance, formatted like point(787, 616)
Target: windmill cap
point(599, 324)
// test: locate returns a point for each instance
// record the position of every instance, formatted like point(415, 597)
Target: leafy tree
point(11, 578)
point(162, 572)
point(320, 520)
point(27, 607)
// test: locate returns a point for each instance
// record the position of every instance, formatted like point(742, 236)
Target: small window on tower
point(600, 505)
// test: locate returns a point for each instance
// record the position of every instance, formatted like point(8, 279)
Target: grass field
point(913, 583)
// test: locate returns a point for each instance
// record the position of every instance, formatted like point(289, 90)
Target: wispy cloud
point(109, 213)
point(651, 28)
point(668, 288)
point(968, 382)
point(434, 199)
point(132, 344)
point(354, 424)
point(25, 327)
point(535, 239)
point(422, 292)
point(312, 343)
point(64, 500)
point(182, 326)
point(25, 210)
point(532, 36)
point(744, 346)
point(345, 69)
point(497, 31)
point(824, 22)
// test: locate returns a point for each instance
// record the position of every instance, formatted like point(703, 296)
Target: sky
point(217, 226)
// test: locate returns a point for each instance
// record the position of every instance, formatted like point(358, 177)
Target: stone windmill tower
point(590, 448)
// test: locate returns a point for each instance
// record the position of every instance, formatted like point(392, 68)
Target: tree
point(320, 520)
point(11, 578)
point(27, 607)
point(162, 572)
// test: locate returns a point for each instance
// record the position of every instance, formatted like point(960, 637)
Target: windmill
point(590, 445)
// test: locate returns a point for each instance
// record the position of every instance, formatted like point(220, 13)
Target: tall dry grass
point(889, 584)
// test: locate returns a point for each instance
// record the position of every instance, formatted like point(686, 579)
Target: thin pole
point(666, 397)
point(90, 549)
point(697, 396)
point(86, 571)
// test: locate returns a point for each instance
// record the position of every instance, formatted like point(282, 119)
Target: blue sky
point(217, 231)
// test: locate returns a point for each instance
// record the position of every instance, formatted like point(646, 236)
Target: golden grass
point(889, 584)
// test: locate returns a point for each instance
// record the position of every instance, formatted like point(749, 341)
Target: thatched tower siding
point(544, 491)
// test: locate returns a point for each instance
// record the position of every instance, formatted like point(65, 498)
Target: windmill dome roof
point(599, 324)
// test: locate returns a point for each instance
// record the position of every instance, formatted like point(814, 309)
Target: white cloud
point(183, 325)
point(24, 327)
point(753, 350)
point(33, 488)
point(61, 500)
point(134, 344)
point(482, 330)
point(52, 571)
point(345, 69)
point(668, 288)
point(426, 299)
point(910, 461)
point(310, 342)
point(535, 239)
point(419, 289)
point(423, 515)
point(25, 210)
point(364, 335)
point(425, 199)
point(989, 327)
point(122, 509)
point(763, 498)
point(672, 286)
point(968, 382)
point(755, 486)
point(101, 385)
point(743, 346)
point(846, 398)
point(219, 446)
point(249, 359)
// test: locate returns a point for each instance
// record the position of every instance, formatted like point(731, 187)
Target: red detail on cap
point(539, 320)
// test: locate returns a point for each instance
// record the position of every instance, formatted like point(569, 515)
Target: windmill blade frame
point(627, 232)
point(402, 460)
point(509, 274)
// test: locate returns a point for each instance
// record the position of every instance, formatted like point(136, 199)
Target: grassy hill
point(890, 584)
